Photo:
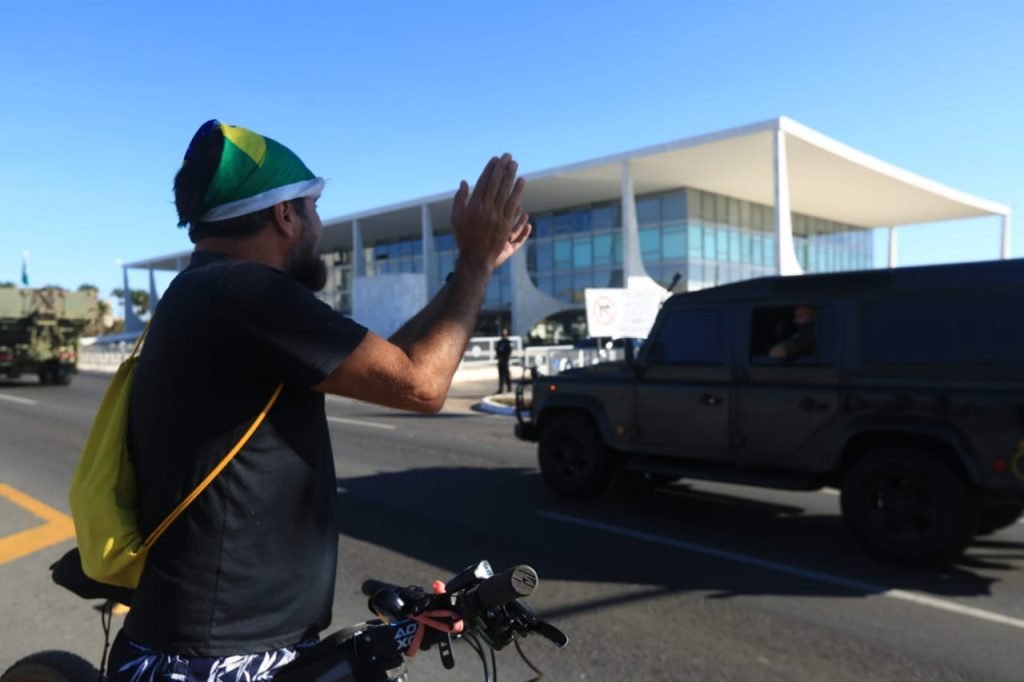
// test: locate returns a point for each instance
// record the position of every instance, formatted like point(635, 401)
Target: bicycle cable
point(528, 662)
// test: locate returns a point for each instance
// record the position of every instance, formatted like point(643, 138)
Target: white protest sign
point(617, 313)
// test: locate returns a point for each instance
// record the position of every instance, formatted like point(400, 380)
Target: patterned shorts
point(131, 662)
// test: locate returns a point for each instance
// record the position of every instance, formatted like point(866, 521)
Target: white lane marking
point(359, 422)
point(14, 399)
point(856, 585)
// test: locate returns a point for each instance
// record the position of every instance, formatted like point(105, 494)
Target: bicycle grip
point(513, 583)
point(372, 587)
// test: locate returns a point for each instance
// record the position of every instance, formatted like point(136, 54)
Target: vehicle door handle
point(812, 405)
point(708, 399)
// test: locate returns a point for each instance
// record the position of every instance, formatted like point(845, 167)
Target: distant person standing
point(504, 351)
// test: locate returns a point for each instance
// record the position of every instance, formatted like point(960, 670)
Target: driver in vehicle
point(244, 579)
point(801, 343)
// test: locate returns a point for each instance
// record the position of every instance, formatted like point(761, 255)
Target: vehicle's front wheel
point(51, 666)
point(997, 516)
point(909, 505)
point(573, 460)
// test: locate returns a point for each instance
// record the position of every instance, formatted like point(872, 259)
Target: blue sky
point(392, 101)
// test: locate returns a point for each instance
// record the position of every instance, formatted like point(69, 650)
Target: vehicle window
point(790, 334)
point(690, 337)
point(965, 331)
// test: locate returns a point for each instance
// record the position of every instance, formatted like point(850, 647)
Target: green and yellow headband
point(254, 173)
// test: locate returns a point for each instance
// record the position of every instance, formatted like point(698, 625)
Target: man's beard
point(304, 263)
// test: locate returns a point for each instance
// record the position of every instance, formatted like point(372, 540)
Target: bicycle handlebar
point(517, 582)
point(474, 604)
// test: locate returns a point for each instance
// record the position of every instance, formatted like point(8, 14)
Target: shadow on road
point(26, 382)
point(452, 516)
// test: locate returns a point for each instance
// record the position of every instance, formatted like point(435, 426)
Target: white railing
point(547, 360)
point(481, 349)
point(103, 357)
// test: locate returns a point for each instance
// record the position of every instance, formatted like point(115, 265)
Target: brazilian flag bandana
point(254, 173)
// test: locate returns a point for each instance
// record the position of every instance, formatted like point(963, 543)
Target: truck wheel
point(51, 666)
point(996, 516)
point(44, 376)
point(908, 505)
point(573, 460)
point(62, 378)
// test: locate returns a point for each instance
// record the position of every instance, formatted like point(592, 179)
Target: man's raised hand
point(490, 224)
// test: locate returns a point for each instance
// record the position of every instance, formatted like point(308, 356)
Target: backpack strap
point(213, 474)
point(142, 336)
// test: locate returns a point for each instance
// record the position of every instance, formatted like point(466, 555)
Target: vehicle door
point(787, 389)
point(683, 398)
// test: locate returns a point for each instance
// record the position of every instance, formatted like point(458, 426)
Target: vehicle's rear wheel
point(51, 666)
point(996, 516)
point(908, 505)
point(573, 460)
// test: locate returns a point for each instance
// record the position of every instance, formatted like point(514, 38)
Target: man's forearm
point(415, 325)
point(436, 337)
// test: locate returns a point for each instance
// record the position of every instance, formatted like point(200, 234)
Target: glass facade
point(706, 239)
point(406, 256)
point(498, 297)
point(701, 238)
point(403, 256)
point(337, 292)
point(570, 251)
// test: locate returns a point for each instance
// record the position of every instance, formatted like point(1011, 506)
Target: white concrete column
point(893, 251)
point(786, 261)
point(1005, 245)
point(358, 263)
point(153, 298)
point(132, 323)
point(428, 251)
point(530, 305)
point(632, 258)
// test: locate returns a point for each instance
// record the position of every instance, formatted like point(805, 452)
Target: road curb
point(491, 406)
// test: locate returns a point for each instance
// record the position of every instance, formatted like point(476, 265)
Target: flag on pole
point(24, 268)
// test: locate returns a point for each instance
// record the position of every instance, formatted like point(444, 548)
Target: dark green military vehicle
point(40, 329)
point(903, 388)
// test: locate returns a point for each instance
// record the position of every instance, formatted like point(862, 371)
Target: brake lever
point(526, 620)
point(551, 633)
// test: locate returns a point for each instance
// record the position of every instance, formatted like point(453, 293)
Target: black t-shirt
point(250, 565)
point(503, 349)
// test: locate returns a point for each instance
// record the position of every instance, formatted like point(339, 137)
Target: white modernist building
point(772, 197)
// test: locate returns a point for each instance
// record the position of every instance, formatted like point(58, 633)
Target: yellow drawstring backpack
point(103, 495)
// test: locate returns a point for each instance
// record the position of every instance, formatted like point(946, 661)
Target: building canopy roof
point(827, 179)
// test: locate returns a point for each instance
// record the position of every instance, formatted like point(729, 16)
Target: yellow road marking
point(58, 527)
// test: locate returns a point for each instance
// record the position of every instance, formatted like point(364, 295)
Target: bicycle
point(485, 610)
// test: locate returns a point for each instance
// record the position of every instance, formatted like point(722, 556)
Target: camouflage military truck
point(40, 330)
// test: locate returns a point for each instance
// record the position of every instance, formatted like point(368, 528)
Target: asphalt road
point(686, 582)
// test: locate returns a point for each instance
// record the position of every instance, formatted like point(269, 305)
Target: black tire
point(997, 516)
point(908, 505)
point(51, 666)
point(44, 376)
point(62, 378)
point(573, 460)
